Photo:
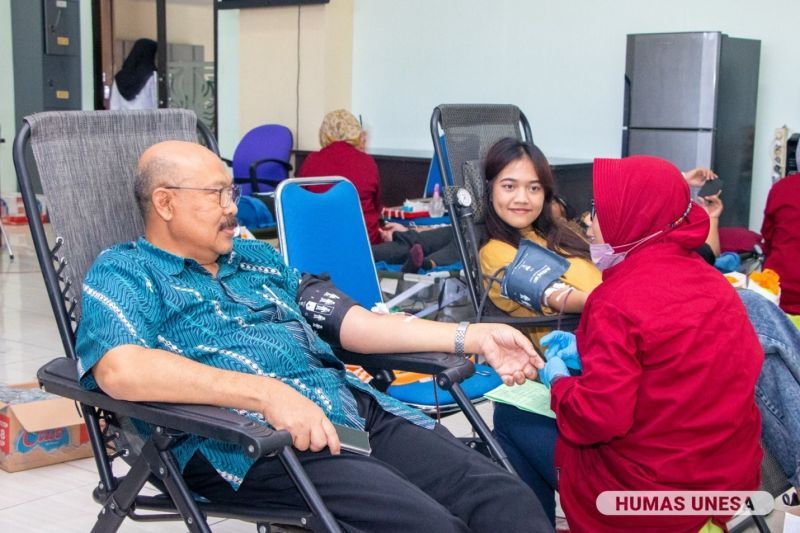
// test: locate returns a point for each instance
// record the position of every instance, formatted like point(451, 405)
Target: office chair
point(86, 162)
point(324, 232)
point(469, 130)
point(261, 159)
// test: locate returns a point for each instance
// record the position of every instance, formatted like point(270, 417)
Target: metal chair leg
point(5, 238)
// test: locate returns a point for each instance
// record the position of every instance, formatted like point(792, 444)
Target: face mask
point(603, 256)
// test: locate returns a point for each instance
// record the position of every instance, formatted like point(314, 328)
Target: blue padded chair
point(261, 159)
point(315, 230)
point(434, 171)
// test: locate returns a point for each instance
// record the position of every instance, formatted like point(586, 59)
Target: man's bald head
point(169, 163)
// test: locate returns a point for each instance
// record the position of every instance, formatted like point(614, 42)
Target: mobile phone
point(710, 188)
point(353, 440)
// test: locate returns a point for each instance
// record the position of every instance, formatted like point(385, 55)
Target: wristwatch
point(461, 336)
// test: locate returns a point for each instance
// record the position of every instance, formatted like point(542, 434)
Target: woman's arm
point(599, 405)
point(566, 300)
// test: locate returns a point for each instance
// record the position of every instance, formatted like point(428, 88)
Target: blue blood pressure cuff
point(533, 270)
point(323, 306)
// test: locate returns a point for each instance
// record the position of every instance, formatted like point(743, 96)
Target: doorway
point(185, 31)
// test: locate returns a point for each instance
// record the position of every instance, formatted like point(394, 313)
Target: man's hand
point(285, 408)
point(506, 349)
point(698, 176)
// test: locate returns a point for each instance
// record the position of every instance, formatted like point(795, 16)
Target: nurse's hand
point(554, 368)
point(563, 345)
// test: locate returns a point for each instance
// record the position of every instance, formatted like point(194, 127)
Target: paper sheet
point(531, 396)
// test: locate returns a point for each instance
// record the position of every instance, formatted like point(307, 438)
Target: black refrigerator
point(691, 98)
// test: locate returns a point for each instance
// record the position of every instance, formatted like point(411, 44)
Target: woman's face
point(517, 194)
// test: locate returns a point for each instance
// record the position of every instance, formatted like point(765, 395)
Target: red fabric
point(781, 232)
point(738, 239)
point(342, 159)
point(670, 362)
point(641, 195)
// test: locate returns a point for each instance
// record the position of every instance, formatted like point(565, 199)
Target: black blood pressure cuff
point(323, 306)
point(533, 270)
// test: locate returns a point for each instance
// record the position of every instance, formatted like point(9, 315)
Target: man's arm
point(507, 350)
point(135, 373)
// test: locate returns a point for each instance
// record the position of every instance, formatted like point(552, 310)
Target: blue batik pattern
point(245, 319)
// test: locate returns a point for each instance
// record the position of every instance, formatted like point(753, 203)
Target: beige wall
point(188, 22)
point(268, 66)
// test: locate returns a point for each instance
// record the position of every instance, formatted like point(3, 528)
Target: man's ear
point(162, 203)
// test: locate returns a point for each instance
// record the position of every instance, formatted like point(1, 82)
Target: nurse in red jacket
point(670, 360)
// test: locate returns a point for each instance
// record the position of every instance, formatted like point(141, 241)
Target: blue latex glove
point(728, 262)
point(552, 368)
point(563, 345)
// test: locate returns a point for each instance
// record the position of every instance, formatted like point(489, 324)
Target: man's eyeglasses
point(226, 194)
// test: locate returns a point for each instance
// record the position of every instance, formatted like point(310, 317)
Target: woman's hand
point(564, 346)
point(698, 176)
point(387, 230)
point(713, 205)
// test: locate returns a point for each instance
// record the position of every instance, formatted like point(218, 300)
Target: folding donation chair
point(324, 232)
point(469, 130)
point(86, 162)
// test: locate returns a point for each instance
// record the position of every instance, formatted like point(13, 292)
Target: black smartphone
point(710, 188)
point(353, 440)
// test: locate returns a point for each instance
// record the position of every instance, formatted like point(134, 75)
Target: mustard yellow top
point(495, 254)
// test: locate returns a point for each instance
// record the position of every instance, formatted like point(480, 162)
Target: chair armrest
point(257, 163)
point(456, 367)
point(566, 322)
point(60, 376)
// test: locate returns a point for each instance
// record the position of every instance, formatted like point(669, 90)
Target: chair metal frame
point(120, 498)
point(449, 371)
point(464, 228)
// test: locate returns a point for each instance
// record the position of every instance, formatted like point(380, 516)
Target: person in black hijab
point(135, 84)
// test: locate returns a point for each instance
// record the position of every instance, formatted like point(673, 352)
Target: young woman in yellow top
point(521, 189)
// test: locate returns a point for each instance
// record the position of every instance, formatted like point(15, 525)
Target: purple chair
point(261, 159)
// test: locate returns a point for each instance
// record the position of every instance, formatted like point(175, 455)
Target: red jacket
point(670, 362)
point(781, 232)
point(342, 159)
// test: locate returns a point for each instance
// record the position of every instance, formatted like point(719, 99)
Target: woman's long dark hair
point(560, 238)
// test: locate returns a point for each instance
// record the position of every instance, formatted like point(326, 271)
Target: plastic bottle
point(437, 205)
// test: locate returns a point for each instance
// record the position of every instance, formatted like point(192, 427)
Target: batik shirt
point(245, 319)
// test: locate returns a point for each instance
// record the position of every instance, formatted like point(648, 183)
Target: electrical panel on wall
point(46, 51)
point(62, 27)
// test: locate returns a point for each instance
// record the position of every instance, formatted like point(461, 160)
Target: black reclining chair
point(86, 162)
point(469, 130)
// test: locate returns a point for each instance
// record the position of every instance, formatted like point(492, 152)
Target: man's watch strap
point(461, 336)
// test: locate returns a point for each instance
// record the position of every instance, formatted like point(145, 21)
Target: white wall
point(562, 63)
point(8, 180)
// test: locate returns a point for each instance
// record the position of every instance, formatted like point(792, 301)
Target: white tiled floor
point(58, 497)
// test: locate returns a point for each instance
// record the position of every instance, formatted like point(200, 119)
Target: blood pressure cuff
point(323, 306)
point(533, 270)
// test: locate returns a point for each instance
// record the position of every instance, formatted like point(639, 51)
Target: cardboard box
point(791, 521)
point(40, 432)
